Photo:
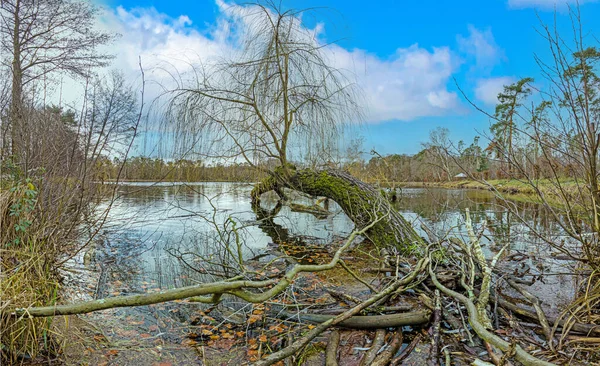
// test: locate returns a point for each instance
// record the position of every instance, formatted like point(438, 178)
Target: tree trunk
point(361, 202)
point(16, 117)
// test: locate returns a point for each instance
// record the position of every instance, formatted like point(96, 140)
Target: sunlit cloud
point(411, 83)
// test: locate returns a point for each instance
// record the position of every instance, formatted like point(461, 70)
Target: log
point(364, 321)
point(360, 202)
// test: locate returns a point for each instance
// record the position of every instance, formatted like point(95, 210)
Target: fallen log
point(364, 321)
point(360, 202)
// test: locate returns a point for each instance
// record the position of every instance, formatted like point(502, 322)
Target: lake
point(165, 235)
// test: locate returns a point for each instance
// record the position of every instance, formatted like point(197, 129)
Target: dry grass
point(26, 275)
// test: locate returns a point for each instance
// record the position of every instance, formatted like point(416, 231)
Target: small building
point(460, 176)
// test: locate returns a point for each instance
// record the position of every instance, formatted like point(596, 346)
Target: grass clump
point(32, 238)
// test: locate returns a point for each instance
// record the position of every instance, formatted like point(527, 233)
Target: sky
point(419, 64)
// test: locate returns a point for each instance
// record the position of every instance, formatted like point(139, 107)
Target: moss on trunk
point(361, 202)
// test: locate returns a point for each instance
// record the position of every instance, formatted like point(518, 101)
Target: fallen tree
point(360, 201)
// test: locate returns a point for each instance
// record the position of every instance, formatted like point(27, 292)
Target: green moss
point(311, 352)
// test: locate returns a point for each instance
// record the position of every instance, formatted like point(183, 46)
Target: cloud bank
point(412, 83)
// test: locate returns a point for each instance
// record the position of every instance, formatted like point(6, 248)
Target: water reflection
point(164, 235)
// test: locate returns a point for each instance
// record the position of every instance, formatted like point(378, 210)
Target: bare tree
point(40, 37)
point(279, 97)
point(439, 146)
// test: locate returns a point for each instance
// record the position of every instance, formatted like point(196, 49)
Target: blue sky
point(408, 54)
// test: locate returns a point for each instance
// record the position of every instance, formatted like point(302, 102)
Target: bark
point(365, 321)
point(332, 347)
point(361, 202)
point(378, 342)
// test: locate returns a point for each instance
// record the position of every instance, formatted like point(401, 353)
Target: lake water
point(154, 223)
point(167, 235)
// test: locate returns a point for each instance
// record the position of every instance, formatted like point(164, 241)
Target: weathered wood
point(364, 321)
point(332, 347)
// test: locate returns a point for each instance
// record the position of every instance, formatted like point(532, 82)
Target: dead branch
point(378, 342)
point(407, 351)
point(332, 346)
point(434, 354)
point(538, 310)
point(304, 340)
point(384, 357)
point(520, 354)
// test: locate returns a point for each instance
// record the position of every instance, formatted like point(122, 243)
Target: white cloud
point(410, 84)
point(481, 45)
point(487, 90)
point(545, 4)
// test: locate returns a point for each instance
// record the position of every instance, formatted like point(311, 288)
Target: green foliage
point(509, 101)
point(24, 195)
